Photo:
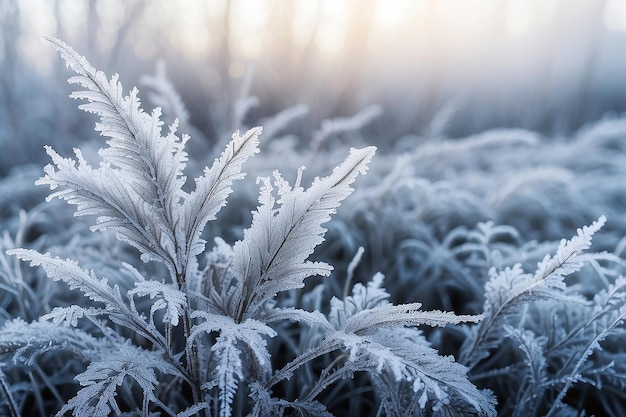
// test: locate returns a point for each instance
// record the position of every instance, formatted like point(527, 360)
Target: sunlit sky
point(464, 22)
point(462, 18)
point(518, 56)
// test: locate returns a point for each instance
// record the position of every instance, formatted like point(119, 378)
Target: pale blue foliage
point(371, 330)
point(26, 341)
point(508, 290)
point(258, 328)
point(166, 297)
point(102, 378)
point(137, 190)
point(229, 369)
point(272, 257)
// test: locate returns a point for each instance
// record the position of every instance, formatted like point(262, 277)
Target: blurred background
point(545, 65)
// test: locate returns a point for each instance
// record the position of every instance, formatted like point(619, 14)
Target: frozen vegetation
point(270, 275)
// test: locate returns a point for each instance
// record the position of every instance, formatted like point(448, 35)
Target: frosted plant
point(165, 95)
point(339, 125)
point(537, 341)
point(272, 126)
point(380, 338)
point(22, 295)
point(509, 289)
point(196, 340)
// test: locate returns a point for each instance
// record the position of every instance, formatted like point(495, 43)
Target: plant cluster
point(161, 323)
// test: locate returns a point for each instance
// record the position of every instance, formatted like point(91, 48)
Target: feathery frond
point(229, 369)
point(510, 288)
point(214, 186)
point(103, 376)
point(272, 257)
point(137, 190)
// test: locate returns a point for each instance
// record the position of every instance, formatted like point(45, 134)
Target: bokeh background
point(546, 65)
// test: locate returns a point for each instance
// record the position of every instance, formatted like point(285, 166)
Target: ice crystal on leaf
point(272, 257)
point(137, 190)
point(221, 331)
point(102, 378)
point(507, 290)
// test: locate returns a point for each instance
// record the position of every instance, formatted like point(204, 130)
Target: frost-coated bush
point(197, 338)
point(178, 328)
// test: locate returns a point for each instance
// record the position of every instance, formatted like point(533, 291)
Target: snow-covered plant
point(195, 337)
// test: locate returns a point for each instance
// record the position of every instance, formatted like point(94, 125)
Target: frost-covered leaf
point(67, 270)
point(272, 257)
point(69, 316)
point(378, 336)
point(102, 378)
point(95, 289)
point(535, 378)
point(137, 189)
point(608, 315)
point(266, 405)
point(165, 95)
point(166, 297)
point(368, 309)
point(407, 359)
point(314, 318)
point(409, 315)
point(227, 348)
point(26, 341)
point(362, 298)
point(214, 186)
point(108, 196)
point(381, 338)
point(510, 288)
point(341, 125)
point(273, 125)
point(193, 410)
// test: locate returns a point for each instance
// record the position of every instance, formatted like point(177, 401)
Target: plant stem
point(9, 397)
point(191, 355)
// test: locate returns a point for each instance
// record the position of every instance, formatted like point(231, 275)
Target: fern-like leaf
point(107, 195)
point(407, 315)
point(368, 309)
point(214, 186)
point(272, 257)
point(229, 369)
point(103, 376)
point(74, 276)
point(166, 297)
point(137, 190)
point(379, 338)
point(95, 289)
point(152, 163)
point(436, 377)
point(27, 341)
point(510, 288)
